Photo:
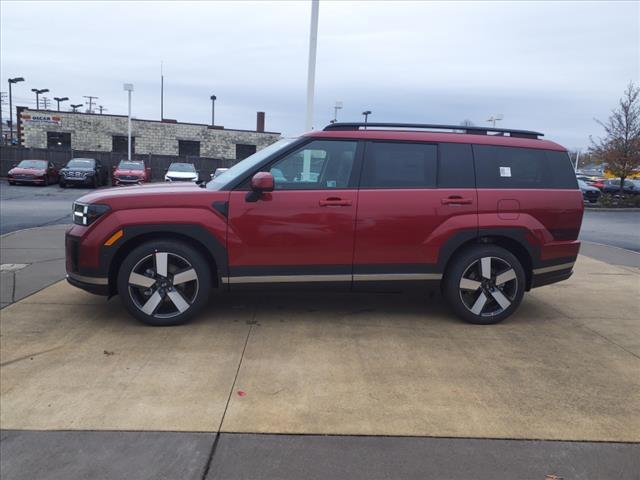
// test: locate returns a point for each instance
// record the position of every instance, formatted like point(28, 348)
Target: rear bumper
point(547, 278)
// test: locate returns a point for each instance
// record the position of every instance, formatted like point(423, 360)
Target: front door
point(303, 231)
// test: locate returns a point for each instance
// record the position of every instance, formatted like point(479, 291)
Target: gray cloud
point(550, 66)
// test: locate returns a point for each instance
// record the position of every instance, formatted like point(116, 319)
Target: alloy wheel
point(488, 286)
point(163, 285)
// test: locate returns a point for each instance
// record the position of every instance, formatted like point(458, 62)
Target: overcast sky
point(547, 66)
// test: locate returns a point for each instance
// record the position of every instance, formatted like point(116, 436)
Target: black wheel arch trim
point(195, 233)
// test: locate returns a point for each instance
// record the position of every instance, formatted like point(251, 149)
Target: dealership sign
point(42, 119)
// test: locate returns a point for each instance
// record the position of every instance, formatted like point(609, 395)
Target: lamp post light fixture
point(76, 107)
point(38, 92)
point(213, 109)
point(60, 99)
point(11, 82)
point(366, 114)
point(336, 107)
point(128, 87)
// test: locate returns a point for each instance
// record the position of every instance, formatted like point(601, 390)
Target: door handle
point(335, 202)
point(457, 200)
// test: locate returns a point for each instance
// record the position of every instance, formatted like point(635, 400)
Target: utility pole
point(101, 108)
point(311, 80)
point(45, 103)
point(495, 118)
point(76, 107)
point(311, 74)
point(91, 99)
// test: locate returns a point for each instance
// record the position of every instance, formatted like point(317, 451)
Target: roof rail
point(420, 126)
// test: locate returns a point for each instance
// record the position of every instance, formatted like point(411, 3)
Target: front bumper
point(35, 180)
point(95, 285)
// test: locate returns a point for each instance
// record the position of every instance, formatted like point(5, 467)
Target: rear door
point(413, 197)
point(303, 231)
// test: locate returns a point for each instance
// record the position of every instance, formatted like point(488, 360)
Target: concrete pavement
point(98, 395)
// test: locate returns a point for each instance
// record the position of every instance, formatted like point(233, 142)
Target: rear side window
point(399, 165)
point(455, 166)
point(510, 167)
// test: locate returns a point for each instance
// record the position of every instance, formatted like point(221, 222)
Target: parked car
point(87, 172)
point(390, 206)
point(589, 193)
point(39, 172)
point(219, 171)
point(597, 182)
point(612, 186)
point(181, 172)
point(130, 172)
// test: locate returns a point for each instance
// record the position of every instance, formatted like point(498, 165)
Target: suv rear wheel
point(484, 284)
point(164, 282)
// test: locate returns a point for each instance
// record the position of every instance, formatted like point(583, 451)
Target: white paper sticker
point(505, 171)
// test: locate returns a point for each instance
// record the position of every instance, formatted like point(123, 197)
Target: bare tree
point(467, 123)
point(620, 147)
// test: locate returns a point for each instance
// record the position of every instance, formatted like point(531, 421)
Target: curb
point(608, 209)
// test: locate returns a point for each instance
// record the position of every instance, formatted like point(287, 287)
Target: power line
point(45, 103)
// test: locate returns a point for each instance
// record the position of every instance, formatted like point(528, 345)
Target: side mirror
point(262, 182)
point(14, 165)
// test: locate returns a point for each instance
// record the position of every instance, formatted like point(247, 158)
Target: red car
point(39, 172)
point(130, 172)
point(353, 207)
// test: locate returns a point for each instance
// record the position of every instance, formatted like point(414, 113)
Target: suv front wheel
point(484, 284)
point(164, 282)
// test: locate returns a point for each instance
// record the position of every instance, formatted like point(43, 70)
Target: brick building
point(108, 133)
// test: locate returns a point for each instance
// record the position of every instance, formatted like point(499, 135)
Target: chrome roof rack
point(346, 126)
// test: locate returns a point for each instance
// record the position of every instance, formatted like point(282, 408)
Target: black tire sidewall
point(451, 282)
point(194, 257)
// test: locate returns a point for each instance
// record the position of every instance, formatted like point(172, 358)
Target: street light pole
point(76, 107)
point(336, 107)
point(38, 92)
point(11, 82)
point(128, 87)
point(213, 106)
point(60, 99)
point(366, 114)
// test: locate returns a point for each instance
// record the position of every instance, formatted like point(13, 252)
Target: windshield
point(33, 164)
point(241, 168)
point(127, 165)
point(182, 167)
point(81, 163)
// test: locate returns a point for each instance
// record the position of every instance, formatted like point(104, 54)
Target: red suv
point(130, 172)
point(486, 213)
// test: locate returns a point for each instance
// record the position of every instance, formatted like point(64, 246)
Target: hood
point(153, 195)
point(30, 171)
point(175, 174)
point(76, 169)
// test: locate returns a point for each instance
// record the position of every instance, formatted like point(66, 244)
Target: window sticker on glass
point(505, 171)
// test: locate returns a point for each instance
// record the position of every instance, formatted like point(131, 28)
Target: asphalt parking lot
point(28, 206)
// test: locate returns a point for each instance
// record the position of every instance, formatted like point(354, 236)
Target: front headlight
point(84, 214)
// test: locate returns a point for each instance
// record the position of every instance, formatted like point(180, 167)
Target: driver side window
point(319, 165)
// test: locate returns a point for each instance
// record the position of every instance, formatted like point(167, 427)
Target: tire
point(96, 182)
point(62, 184)
point(46, 181)
point(152, 297)
point(480, 300)
point(12, 183)
point(593, 200)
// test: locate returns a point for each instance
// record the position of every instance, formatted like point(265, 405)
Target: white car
point(181, 172)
